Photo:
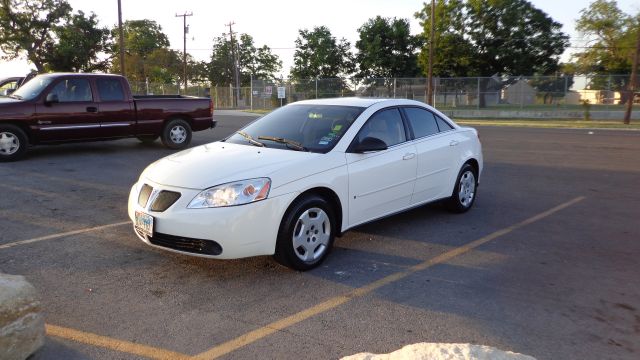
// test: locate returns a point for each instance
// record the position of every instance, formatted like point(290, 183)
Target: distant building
point(520, 92)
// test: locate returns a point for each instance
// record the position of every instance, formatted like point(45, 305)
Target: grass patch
point(552, 123)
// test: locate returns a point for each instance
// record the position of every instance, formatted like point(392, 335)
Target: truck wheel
point(176, 134)
point(13, 143)
point(148, 139)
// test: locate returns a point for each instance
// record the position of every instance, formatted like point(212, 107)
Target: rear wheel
point(148, 139)
point(13, 143)
point(176, 134)
point(306, 233)
point(464, 193)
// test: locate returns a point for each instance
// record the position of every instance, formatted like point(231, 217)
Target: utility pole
point(235, 62)
point(186, 30)
point(633, 84)
point(121, 40)
point(431, 46)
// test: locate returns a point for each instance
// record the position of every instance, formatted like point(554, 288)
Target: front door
point(72, 116)
point(381, 183)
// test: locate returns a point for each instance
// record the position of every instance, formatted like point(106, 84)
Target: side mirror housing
point(51, 99)
point(9, 92)
point(370, 144)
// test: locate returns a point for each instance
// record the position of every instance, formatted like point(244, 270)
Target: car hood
point(217, 163)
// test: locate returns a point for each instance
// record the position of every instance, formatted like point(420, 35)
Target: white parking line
point(60, 235)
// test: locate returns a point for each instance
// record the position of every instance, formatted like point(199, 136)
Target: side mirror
point(370, 144)
point(51, 99)
point(9, 92)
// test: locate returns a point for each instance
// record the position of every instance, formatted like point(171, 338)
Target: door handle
point(453, 143)
point(408, 156)
point(92, 109)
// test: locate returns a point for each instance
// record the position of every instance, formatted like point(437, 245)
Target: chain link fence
point(506, 96)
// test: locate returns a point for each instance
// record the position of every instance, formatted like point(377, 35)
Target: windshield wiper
point(250, 139)
point(290, 143)
point(15, 96)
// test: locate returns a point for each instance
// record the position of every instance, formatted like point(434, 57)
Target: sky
point(276, 23)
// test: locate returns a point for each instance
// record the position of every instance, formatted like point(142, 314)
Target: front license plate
point(144, 223)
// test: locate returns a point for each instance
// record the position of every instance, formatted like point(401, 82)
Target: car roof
point(78, 74)
point(345, 101)
point(360, 102)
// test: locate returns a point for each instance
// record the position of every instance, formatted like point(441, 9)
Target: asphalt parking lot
point(546, 263)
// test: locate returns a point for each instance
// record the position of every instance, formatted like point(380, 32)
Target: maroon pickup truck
point(57, 108)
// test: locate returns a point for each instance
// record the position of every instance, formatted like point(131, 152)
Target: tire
point(13, 143)
point(306, 233)
point(148, 139)
point(176, 134)
point(464, 191)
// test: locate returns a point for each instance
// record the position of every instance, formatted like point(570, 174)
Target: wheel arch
point(184, 117)
point(327, 194)
point(22, 126)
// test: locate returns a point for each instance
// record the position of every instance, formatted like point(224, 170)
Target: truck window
point(73, 90)
point(110, 89)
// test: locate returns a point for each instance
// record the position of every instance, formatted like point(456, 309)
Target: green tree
point(80, 41)
point(386, 49)
point(455, 55)
point(26, 28)
point(319, 55)
point(147, 53)
point(612, 35)
point(257, 62)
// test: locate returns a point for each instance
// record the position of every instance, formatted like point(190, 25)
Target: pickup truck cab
point(68, 107)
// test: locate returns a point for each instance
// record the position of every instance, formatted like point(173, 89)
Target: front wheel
point(464, 193)
point(176, 134)
point(306, 233)
point(13, 143)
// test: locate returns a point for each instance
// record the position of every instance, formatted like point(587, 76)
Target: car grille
point(161, 202)
point(180, 243)
point(143, 197)
point(164, 200)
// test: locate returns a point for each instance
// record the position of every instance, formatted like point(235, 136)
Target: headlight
point(233, 193)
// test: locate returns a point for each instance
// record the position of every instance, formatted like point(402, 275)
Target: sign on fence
point(281, 92)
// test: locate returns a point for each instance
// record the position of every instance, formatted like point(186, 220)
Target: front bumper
point(239, 231)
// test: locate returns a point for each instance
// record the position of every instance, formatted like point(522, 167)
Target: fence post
point(478, 93)
point(316, 88)
point(394, 87)
point(435, 90)
point(251, 90)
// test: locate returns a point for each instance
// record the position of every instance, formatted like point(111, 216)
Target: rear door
point(437, 154)
point(73, 117)
point(381, 182)
point(117, 113)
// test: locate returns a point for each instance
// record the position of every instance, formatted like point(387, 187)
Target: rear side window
point(443, 125)
point(385, 125)
point(422, 122)
point(110, 89)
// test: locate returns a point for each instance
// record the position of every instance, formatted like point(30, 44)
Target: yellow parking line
point(113, 344)
point(334, 302)
point(60, 235)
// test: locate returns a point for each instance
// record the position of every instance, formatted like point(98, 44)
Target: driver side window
point(73, 90)
point(385, 125)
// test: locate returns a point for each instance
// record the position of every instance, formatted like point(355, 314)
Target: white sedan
point(290, 182)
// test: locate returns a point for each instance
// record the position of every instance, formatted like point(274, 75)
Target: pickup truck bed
point(58, 108)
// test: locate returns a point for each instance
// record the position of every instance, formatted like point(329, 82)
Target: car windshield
point(315, 128)
point(32, 88)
